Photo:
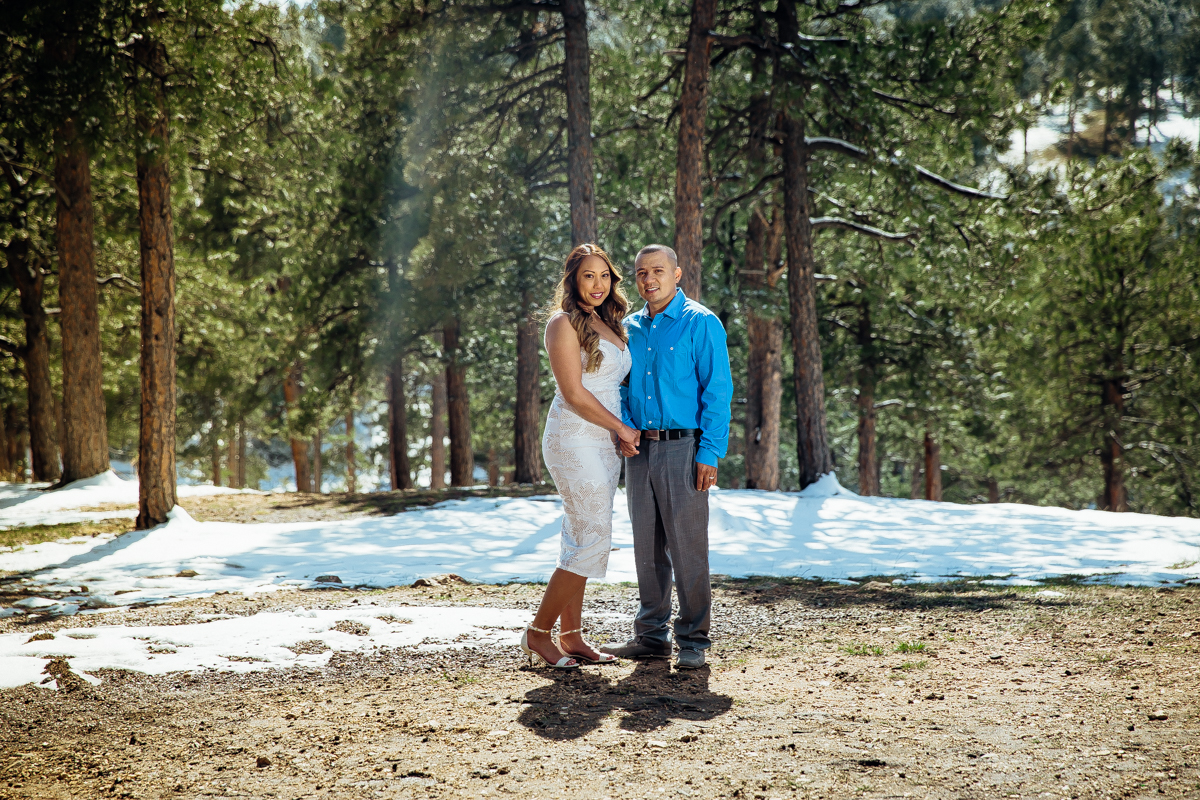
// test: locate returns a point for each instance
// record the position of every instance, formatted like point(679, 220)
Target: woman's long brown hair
point(611, 311)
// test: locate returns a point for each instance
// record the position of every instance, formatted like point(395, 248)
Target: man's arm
point(716, 391)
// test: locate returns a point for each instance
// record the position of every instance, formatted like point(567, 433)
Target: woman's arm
point(562, 344)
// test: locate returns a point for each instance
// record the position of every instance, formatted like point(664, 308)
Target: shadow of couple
point(576, 704)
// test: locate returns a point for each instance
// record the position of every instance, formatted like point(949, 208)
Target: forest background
point(312, 245)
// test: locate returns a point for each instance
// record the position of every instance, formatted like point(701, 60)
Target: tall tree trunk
point(5, 464)
point(764, 363)
point(689, 160)
point(1112, 455)
point(581, 182)
point(317, 479)
point(868, 462)
point(216, 458)
point(462, 460)
point(241, 460)
point(493, 467)
point(527, 455)
point(85, 428)
point(439, 410)
point(916, 483)
point(933, 467)
point(156, 422)
point(398, 427)
point(30, 281)
point(16, 463)
point(232, 457)
point(812, 446)
point(292, 390)
point(351, 476)
point(993, 490)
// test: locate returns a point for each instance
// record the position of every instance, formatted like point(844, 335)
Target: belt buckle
point(651, 435)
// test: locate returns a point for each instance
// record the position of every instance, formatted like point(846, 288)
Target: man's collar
point(673, 309)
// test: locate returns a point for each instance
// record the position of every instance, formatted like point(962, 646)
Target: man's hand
point(706, 477)
point(626, 449)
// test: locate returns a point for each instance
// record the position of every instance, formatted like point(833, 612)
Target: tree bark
point(527, 453)
point(30, 281)
point(868, 461)
point(351, 475)
point(216, 458)
point(398, 427)
point(1112, 455)
point(462, 460)
point(317, 479)
point(689, 160)
point(232, 457)
point(292, 390)
point(493, 467)
point(437, 429)
point(241, 457)
point(812, 444)
point(933, 467)
point(85, 428)
point(13, 444)
point(5, 464)
point(156, 422)
point(916, 483)
point(764, 363)
point(581, 183)
point(993, 490)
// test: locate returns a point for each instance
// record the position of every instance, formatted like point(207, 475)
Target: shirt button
point(651, 348)
point(647, 397)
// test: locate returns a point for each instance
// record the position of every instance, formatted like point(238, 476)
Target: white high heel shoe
point(566, 662)
point(605, 658)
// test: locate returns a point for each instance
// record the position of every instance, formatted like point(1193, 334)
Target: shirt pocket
point(679, 356)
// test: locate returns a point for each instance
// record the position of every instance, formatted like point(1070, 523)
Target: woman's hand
point(627, 440)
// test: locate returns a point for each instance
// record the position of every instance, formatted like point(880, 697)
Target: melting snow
point(824, 531)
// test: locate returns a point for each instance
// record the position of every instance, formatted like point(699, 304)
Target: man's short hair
point(657, 248)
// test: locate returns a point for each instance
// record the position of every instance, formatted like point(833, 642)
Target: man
point(678, 396)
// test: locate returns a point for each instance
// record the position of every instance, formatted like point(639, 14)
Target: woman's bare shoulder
point(559, 326)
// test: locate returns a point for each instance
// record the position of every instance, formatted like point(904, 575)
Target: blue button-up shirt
point(680, 376)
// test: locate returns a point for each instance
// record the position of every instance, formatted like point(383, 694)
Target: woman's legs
point(564, 592)
point(572, 620)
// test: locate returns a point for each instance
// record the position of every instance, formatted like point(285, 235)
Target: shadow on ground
point(650, 698)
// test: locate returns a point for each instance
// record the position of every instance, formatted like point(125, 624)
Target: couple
point(658, 384)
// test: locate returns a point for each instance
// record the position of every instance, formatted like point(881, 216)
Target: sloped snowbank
point(31, 504)
point(825, 531)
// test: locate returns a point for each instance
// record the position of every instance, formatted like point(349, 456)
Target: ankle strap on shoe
point(538, 630)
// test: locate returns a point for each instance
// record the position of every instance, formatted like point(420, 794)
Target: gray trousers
point(670, 539)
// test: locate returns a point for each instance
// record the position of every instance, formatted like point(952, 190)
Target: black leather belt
point(667, 435)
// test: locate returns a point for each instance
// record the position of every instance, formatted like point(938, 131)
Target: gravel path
point(813, 690)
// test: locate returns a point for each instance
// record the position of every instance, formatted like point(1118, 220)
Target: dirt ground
point(959, 690)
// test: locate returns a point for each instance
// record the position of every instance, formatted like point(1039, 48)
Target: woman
point(588, 354)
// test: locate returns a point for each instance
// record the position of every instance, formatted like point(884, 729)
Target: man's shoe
point(635, 649)
point(689, 659)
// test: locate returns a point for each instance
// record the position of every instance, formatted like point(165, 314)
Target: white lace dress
point(583, 460)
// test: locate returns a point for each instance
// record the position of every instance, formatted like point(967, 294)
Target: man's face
point(656, 278)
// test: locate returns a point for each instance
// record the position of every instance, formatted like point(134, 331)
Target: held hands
point(627, 440)
point(706, 477)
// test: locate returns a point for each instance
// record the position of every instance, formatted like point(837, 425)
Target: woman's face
point(593, 281)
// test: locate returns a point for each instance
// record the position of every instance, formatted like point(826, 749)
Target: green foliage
point(348, 175)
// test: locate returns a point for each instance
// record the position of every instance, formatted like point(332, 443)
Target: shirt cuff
point(706, 456)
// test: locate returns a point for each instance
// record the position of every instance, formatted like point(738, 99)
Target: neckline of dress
point(619, 348)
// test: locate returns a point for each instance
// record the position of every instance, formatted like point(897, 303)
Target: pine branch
point(119, 278)
point(819, 223)
point(944, 183)
point(12, 348)
point(817, 143)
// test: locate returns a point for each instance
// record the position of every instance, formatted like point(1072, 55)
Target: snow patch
point(296, 638)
